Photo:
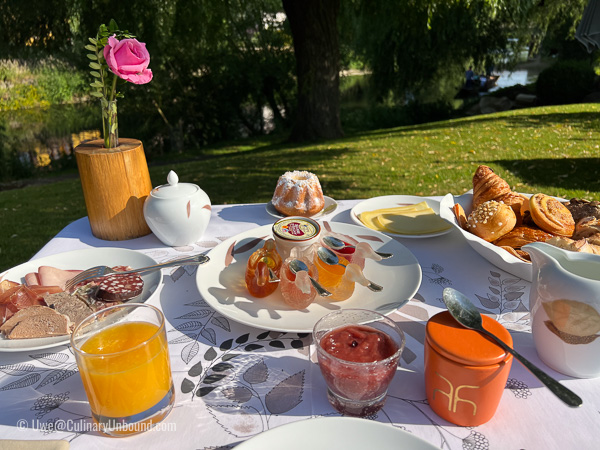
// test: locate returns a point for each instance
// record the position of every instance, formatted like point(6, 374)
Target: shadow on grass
point(572, 173)
point(234, 174)
point(587, 120)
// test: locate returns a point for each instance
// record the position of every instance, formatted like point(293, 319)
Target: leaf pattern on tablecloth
point(189, 351)
point(258, 373)
point(17, 369)
point(51, 359)
point(239, 421)
point(53, 377)
point(198, 303)
point(433, 274)
point(221, 322)
point(518, 388)
point(286, 395)
point(210, 335)
point(198, 314)
point(25, 381)
point(505, 297)
point(238, 394)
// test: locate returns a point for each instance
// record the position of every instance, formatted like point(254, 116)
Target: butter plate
point(392, 201)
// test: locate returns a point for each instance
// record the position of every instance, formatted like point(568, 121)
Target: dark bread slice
point(36, 322)
point(72, 307)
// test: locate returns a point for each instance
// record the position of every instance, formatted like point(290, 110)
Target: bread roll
point(491, 220)
point(551, 215)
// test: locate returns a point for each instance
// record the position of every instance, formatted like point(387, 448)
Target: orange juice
point(125, 369)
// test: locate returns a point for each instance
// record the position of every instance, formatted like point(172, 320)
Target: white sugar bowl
point(177, 213)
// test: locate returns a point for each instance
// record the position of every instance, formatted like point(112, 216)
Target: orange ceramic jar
point(465, 372)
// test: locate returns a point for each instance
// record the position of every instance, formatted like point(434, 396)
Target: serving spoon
point(328, 257)
point(338, 244)
point(296, 266)
point(468, 316)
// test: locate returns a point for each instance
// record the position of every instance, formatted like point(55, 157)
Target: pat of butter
point(417, 222)
point(412, 219)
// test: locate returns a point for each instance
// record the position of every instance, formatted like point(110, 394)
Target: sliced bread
point(36, 322)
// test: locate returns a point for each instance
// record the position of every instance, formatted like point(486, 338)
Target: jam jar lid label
point(296, 229)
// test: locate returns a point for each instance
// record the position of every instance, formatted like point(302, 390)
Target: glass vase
point(110, 126)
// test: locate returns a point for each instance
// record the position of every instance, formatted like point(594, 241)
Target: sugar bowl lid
point(452, 340)
point(174, 189)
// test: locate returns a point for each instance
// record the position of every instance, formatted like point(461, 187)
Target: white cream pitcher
point(565, 307)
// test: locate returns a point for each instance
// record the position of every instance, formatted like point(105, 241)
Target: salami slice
point(117, 287)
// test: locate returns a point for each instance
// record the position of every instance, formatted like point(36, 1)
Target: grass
point(554, 150)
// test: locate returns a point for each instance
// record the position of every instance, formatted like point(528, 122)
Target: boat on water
point(479, 84)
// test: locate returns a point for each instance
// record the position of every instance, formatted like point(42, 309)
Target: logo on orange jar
point(453, 396)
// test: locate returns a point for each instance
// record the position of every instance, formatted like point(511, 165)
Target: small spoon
point(328, 257)
point(338, 244)
point(298, 266)
point(468, 316)
point(272, 277)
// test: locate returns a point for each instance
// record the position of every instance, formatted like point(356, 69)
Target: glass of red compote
point(358, 352)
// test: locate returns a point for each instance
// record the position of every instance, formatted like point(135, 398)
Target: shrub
point(565, 82)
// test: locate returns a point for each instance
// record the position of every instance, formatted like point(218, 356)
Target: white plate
point(221, 282)
point(494, 254)
point(392, 201)
point(330, 206)
point(79, 259)
point(325, 433)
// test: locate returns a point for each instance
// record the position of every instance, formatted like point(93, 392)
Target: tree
point(314, 30)
point(412, 45)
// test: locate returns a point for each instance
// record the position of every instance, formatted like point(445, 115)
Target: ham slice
point(51, 276)
point(32, 279)
point(17, 298)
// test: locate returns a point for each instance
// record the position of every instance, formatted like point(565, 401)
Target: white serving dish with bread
point(494, 254)
point(79, 259)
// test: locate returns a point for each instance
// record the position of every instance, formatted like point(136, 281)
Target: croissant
point(488, 186)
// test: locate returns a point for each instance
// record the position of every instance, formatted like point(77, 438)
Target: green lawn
point(554, 150)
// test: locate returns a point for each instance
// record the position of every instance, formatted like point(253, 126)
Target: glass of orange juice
point(123, 359)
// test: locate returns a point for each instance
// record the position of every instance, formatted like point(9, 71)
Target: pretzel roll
point(551, 215)
point(491, 220)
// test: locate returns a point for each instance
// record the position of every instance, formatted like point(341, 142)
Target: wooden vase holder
point(115, 185)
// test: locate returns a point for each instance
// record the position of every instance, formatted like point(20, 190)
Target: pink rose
point(128, 59)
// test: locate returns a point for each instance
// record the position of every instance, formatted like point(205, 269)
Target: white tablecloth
point(223, 400)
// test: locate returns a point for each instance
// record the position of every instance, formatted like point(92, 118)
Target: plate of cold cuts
point(32, 295)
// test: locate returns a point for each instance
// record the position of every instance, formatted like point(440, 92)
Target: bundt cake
point(298, 193)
